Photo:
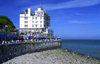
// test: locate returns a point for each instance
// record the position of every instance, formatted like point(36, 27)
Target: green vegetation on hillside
point(4, 20)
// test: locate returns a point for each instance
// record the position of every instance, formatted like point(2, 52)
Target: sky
point(70, 19)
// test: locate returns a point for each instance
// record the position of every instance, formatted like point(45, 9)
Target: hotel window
point(26, 25)
point(36, 21)
point(32, 25)
point(36, 25)
point(32, 21)
point(25, 21)
point(40, 25)
point(25, 17)
point(40, 21)
point(32, 17)
point(40, 17)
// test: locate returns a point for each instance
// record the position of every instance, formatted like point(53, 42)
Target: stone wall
point(10, 51)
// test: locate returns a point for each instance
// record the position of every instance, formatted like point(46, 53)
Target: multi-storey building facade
point(37, 24)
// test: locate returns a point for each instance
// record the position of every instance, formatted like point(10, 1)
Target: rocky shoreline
point(80, 54)
point(54, 56)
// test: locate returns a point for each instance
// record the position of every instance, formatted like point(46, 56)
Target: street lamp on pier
point(6, 32)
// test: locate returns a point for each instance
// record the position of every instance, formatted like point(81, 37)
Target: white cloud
point(80, 22)
point(70, 4)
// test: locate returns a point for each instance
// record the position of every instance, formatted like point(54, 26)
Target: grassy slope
point(4, 20)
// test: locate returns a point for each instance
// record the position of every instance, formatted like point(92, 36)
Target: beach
point(54, 56)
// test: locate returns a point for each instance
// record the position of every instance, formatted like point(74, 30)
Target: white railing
point(28, 41)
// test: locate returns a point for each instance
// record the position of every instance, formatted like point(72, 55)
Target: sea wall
point(10, 51)
point(53, 56)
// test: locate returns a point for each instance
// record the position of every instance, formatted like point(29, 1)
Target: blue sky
point(70, 19)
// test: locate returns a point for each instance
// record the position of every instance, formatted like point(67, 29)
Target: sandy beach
point(54, 56)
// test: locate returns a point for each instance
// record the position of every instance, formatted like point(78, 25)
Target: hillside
point(4, 20)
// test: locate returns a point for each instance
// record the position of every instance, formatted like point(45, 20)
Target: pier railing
point(28, 41)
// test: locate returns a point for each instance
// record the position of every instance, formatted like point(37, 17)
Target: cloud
point(79, 22)
point(70, 4)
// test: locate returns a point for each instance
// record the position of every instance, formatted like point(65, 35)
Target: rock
point(55, 56)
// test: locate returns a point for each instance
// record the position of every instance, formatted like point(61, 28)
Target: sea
point(90, 48)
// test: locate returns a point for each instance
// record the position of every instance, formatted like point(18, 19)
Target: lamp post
point(6, 32)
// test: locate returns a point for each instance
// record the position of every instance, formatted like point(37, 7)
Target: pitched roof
point(24, 12)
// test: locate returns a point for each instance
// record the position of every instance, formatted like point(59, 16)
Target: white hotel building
point(37, 24)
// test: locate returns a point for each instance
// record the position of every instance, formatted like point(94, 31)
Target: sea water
point(87, 47)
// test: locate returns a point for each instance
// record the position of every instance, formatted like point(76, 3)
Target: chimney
point(29, 11)
point(39, 9)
